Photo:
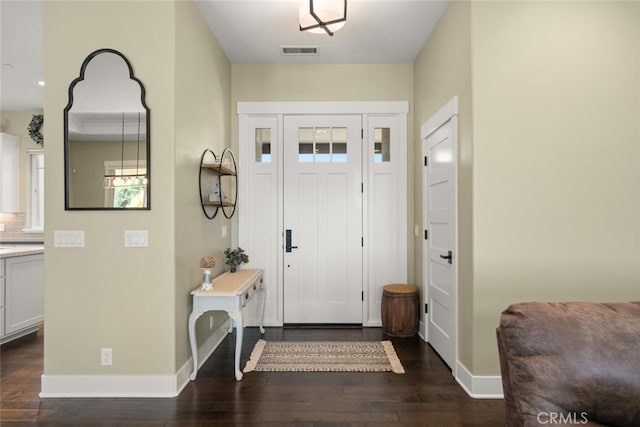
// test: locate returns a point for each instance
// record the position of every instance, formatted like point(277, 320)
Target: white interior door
point(440, 148)
point(323, 219)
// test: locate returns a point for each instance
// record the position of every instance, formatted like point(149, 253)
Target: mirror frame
point(78, 79)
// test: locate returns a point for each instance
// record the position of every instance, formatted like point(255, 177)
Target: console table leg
point(194, 344)
point(263, 299)
point(239, 322)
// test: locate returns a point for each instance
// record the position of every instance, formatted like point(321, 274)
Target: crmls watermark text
point(560, 418)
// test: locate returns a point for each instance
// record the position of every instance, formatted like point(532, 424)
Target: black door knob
point(448, 257)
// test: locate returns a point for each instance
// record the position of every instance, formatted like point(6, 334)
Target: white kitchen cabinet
point(23, 295)
point(8, 173)
point(1, 298)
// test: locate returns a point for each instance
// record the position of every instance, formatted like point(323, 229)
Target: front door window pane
point(305, 145)
point(339, 152)
point(322, 144)
point(382, 145)
point(323, 152)
point(323, 134)
point(339, 145)
point(263, 145)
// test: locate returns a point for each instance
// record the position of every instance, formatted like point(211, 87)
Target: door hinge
point(362, 295)
point(426, 161)
point(362, 187)
point(426, 234)
point(426, 308)
point(362, 241)
point(362, 133)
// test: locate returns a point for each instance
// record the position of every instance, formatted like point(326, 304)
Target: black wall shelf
point(223, 170)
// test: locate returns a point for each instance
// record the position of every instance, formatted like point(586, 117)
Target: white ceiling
point(376, 31)
point(249, 31)
point(21, 51)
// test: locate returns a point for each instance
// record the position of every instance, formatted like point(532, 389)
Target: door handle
point(287, 241)
point(448, 257)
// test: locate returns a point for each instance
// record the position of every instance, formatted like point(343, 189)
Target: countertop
point(11, 250)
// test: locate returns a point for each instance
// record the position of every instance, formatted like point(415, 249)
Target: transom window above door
point(322, 144)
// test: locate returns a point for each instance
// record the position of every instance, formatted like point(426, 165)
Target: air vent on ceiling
point(299, 50)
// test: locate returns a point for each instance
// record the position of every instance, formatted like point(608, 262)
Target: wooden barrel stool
point(400, 310)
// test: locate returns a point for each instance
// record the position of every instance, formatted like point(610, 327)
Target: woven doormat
point(324, 356)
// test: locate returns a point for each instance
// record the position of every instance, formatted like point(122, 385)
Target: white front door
point(322, 219)
point(440, 148)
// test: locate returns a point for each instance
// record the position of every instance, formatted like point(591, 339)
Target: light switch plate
point(1, 227)
point(68, 238)
point(136, 238)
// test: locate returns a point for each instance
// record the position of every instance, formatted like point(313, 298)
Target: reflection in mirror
point(107, 136)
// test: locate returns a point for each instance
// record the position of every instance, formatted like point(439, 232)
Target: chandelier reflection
point(127, 176)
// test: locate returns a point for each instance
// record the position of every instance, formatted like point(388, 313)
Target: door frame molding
point(448, 112)
point(310, 108)
point(276, 110)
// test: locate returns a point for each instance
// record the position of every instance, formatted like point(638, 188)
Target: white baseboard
point(422, 331)
point(479, 387)
point(56, 386)
point(266, 324)
point(19, 334)
point(373, 324)
point(59, 386)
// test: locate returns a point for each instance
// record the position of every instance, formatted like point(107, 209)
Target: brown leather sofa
point(574, 363)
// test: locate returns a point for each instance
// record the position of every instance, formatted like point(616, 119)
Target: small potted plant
point(235, 257)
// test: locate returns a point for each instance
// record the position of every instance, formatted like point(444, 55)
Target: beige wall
point(203, 86)
point(105, 295)
point(322, 82)
point(549, 155)
point(328, 82)
point(135, 301)
point(556, 149)
point(442, 70)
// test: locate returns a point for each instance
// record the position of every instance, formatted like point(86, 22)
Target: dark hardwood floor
point(426, 395)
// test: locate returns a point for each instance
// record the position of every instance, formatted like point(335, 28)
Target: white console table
point(231, 292)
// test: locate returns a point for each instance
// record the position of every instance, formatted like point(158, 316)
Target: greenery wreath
point(34, 128)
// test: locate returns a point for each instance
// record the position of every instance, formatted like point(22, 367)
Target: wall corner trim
point(479, 387)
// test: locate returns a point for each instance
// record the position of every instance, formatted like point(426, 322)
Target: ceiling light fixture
point(322, 16)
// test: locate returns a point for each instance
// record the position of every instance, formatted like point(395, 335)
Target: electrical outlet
point(223, 231)
point(1, 227)
point(106, 356)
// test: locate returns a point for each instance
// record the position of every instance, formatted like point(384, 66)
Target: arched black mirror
point(106, 136)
